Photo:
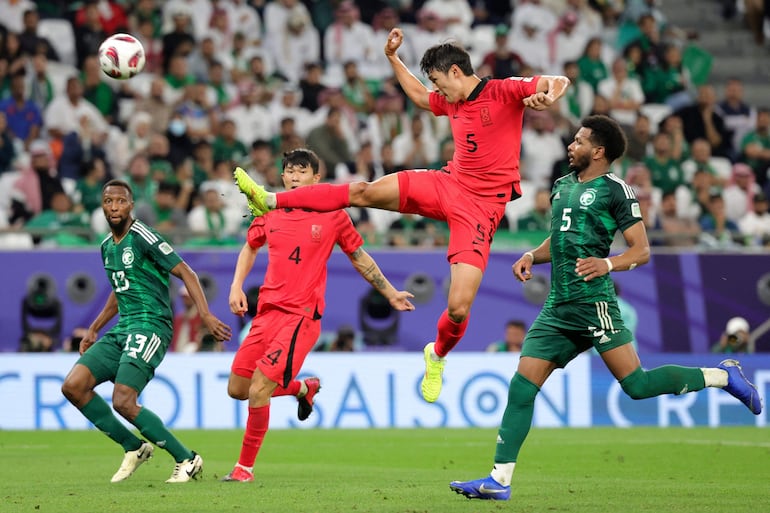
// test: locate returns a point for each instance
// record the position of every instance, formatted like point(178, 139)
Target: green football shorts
point(127, 357)
point(562, 332)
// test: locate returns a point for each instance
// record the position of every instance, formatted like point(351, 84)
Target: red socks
point(256, 427)
point(322, 197)
point(293, 389)
point(449, 334)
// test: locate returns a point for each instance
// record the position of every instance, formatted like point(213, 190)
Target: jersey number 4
point(294, 257)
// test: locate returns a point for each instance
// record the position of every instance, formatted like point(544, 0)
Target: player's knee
point(458, 312)
point(71, 390)
point(237, 392)
point(635, 385)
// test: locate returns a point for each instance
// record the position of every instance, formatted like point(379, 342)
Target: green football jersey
point(138, 268)
point(584, 220)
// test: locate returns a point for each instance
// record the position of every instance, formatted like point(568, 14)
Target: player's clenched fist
point(395, 38)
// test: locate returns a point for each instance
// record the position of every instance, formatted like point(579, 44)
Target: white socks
point(714, 377)
point(270, 200)
point(503, 473)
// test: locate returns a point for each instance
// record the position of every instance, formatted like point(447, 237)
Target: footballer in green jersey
point(138, 262)
point(588, 207)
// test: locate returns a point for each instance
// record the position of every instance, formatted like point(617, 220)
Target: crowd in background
point(237, 82)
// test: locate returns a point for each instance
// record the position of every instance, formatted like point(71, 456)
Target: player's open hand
point(395, 38)
point(400, 301)
point(217, 328)
point(591, 267)
point(522, 269)
point(538, 101)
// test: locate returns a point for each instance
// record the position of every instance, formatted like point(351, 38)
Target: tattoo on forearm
point(375, 277)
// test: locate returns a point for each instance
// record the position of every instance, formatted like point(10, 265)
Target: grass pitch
point(603, 470)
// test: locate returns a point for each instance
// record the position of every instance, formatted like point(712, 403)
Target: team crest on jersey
point(486, 117)
point(128, 257)
point(588, 197)
point(315, 233)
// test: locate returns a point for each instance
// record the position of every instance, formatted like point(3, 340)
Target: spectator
point(311, 87)
point(566, 42)
point(269, 83)
point(740, 118)
point(142, 184)
point(88, 189)
point(639, 139)
point(328, 141)
point(251, 118)
point(29, 40)
point(702, 120)
point(210, 222)
point(676, 231)
point(110, 15)
point(740, 191)
point(188, 326)
point(755, 146)
point(701, 158)
point(579, 97)
point(539, 218)
point(541, 147)
point(66, 112)
point(286, 105)
point(179, 41)
point(755, 224)
point(38, 183)
point(89, 32)
point(163, 212)
point(40, 85)
point(294, 48)
point(7, 147)
point(344, 341)
point(592, 67)
point(157, 104)
point(735, 337)
point(226, 145)
point(356, 92)
point(666, 172)
point(61, 225)
point(515, 330)
point(668, 82)
point(623, 92)
point(718, 230)
point(348, 39)
point(501, 61)
point(415, 148)
point(96, 91)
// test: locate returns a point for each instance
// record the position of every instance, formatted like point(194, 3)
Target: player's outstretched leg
point(485, 488)
point(740, 387)
point(255, 193)
point(132, 460)
point(305, 403)
point(433, 378)
point(187, 470)
point(239, 474)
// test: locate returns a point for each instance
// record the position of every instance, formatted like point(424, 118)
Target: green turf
point(609, 470)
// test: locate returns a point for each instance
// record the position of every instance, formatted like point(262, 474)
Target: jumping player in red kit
point(469, 193)
point(291, 302)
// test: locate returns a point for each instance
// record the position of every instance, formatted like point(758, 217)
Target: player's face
point(580, 151)
point(117, 205)
point(297, 176)
point(448, 84)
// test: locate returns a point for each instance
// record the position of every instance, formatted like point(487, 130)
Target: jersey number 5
point(566, 220)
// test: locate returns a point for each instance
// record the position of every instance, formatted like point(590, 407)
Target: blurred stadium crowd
point(238, 82)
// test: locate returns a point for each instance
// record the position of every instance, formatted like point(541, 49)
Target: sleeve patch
point(635, 210)
point(166, 248)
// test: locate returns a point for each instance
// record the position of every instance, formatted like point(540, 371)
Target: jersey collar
point(477, 90)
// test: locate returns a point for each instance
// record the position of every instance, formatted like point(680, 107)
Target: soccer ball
point(121, 56)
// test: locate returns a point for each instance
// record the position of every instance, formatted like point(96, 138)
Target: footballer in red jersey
point(291, 303)
point(469, 193)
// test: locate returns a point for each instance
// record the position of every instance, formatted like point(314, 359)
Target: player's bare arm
point(638, 253)
point(549, 89)
point(109, 310)
point(368, 268)
point(542, 254)
point(237, 298)
point(414, 89)
point(217, 328)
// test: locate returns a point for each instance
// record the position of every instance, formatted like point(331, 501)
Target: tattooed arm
point(368, 268)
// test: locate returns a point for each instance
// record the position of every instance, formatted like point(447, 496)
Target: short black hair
point(119, 183)
point(443, 56)
point(606, 132)
point(301, 157)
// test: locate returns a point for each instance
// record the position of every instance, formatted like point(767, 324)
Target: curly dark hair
point(442, 56)
point(606, 132)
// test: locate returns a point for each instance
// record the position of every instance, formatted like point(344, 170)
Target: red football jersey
point(299, 244)
point(487, 134)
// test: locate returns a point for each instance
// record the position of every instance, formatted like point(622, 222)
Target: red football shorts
point(277, 345)
point(472, 220)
